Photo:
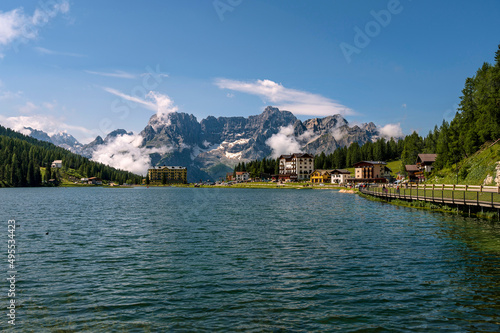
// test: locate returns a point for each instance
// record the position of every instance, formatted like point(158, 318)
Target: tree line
point(257, 168)
point(476, 122)
point(21, 158)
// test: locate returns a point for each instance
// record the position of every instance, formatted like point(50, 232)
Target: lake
point(208, 259)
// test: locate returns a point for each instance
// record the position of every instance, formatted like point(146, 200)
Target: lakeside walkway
point(461, 195)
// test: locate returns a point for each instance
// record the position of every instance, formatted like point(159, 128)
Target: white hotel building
point(296, 166)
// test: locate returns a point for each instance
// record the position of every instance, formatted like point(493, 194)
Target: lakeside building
point(334, 176)
point(229, 176)
point(371, 172)
point(340, 176)
point(94, 181)
point(295, 167)
point(411, 169)
point(321, 176)
point(242, 176)
point(171, 174)
point(424, 164)
point(56, 164)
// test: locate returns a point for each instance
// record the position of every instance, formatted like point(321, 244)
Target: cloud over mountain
point(297, 101)
point(153, 100)
point(284, 142)
point(125, 152)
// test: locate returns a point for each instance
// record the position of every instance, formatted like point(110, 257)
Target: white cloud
point(16, 25)
point(164, 105)
point(391, 131)
point(308, 136)
point(50, 106)
point(153, 100)
point(296, 101)
point(283, 142)
point(124, 152)
point(338, 133)
point(11, 24)
point(147, 104)
point(157, 74)
point(117, 74)
point(43, 50)
point(49, 124)
point(27, 108)
point(4, 95)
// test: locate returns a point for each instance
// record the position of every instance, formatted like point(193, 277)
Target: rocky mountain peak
point(371, 127)
point(213, 146)
point(176, 128)
point(114, 134)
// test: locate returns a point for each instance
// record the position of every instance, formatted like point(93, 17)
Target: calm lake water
point(179, 259)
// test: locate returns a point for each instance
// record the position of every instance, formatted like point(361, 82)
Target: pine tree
point(37, 176)
point(54, 175)
point(30, 177)
point(15, 176)
point(47, 173)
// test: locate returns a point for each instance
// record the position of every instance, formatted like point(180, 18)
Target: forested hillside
point(22, 157)
point(476, 122)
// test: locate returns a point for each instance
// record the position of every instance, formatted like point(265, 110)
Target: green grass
point(446, 194)
point(443, 207)
point(395, 167)
point(470, 171)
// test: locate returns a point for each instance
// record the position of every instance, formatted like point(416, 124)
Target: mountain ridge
point(219, 143)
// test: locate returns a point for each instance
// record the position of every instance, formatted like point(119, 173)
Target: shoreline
point(416, 204)
point(441, 208)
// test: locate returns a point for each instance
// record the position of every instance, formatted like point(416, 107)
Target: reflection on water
point(247, 260)
point(478, 270)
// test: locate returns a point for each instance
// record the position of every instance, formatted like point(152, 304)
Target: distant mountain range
point(213, 146)
point(61, 139)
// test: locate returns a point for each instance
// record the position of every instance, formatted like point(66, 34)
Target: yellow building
point(321, 176)
point(168, 175)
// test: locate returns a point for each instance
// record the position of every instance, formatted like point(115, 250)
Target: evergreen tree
point(15, 176)
point(37, 176)
point(30, 177)
point(413, 145)
point(54, 175)
point(47, 173)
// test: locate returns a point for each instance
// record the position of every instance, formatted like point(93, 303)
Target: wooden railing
point(467, 195)
point(453, 187)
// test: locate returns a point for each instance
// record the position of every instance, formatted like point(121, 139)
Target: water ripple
point(158, 259)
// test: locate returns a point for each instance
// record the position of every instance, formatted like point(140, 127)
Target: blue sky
point(90, 67)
